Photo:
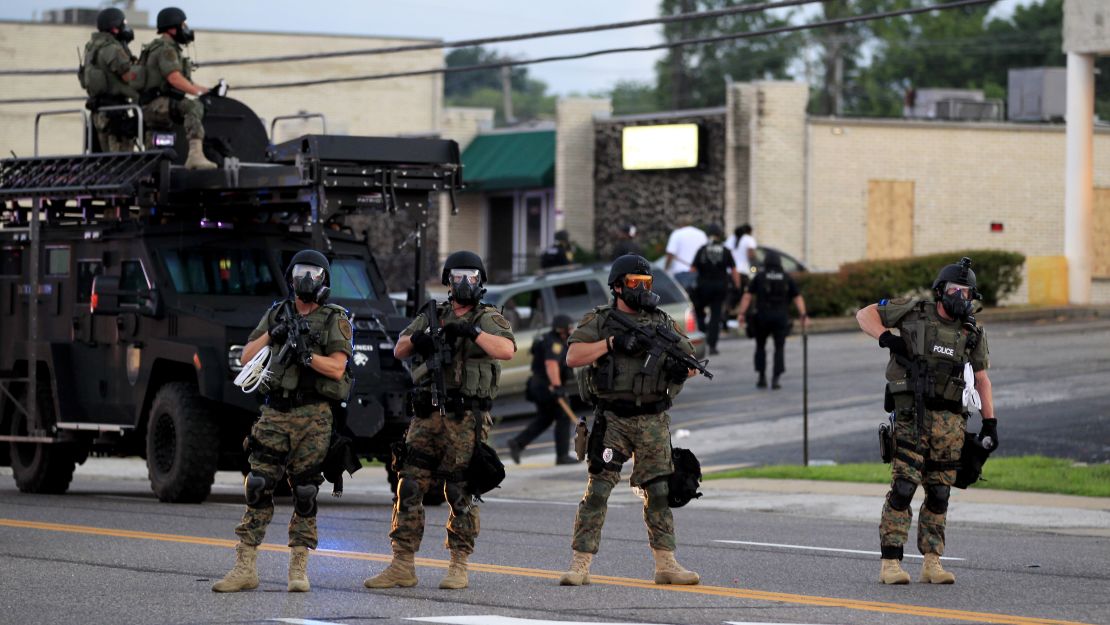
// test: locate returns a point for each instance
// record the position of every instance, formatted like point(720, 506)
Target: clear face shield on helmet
point(308, 282)
point(466, 285)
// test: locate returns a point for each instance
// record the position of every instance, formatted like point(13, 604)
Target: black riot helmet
point(954, 288)
point(683, 483)
point(309, 274)
point(173, 17)
point(715, 230)
point(628, 272)
point(772, 260)
point(464, 273)
point(111, 18)
point(562, 322)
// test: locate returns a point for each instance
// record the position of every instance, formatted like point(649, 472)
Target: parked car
point(530, 304)
point(789, 263)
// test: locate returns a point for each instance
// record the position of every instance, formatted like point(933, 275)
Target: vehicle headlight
point(234, 353)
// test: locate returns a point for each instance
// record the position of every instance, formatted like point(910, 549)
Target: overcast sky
point(441, 19)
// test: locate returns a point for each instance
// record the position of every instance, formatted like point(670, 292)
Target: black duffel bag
point(485, 471)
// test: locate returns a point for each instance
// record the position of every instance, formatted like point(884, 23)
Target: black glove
point(629, 344)
point(988, 434)
point(424, 344)
point(458, 329)
point(677, 372)
point(888, 340)
point(279, 333)
point(305, 356)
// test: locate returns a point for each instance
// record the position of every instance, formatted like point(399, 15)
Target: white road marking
point(302, 621)
point(490, 619)
point(866, 553)
point(749, 623)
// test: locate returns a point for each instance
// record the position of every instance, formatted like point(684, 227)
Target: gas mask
point(466, 286)
point(309, 283)
point(956, 300)
point(125, 34)
point(636, 292)
point(184, 35)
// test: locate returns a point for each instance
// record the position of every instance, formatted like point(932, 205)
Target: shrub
point(855, 285)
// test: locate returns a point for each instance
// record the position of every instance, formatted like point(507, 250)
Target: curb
point(990, 315)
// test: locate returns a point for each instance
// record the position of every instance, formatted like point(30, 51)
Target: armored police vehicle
point(128, 286)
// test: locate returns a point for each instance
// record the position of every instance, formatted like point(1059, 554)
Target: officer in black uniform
point(546, 387)
point(559, 253)
point(716, 270)
point(773, 290)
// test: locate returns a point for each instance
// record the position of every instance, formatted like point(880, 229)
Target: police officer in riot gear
point(559, 253)
point(110, 79)
point(716, 271)
point(937, 342)
point(772, 290)
point(440, 443)
point(631, 420)
point(548, 384)
point(312, 341)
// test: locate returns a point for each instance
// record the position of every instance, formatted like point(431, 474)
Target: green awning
point(517, 160)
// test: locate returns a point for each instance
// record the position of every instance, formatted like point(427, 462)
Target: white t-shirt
point(683, 244)
point(740, 252)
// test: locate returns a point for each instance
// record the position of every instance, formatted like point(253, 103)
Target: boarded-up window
point(889, 219)
point(1101, 235)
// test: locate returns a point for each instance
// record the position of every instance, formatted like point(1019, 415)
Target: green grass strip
point(1037, 474)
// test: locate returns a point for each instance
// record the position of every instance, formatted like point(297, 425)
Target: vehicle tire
point(182, 444)
point(45, 468)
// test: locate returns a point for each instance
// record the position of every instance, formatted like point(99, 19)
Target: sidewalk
point(1003, 314)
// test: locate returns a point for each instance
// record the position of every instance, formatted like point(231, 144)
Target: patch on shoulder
point(345, 328)
point(557, 348)
point(587, 318)
point(501, 321)
point(678, 328)
point(899, 301)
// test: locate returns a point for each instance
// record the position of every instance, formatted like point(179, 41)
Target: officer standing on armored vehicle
point(309, 370)
point(631, 419)
point(547, 388)
point(109, 78)
point(926, 388)
point(441, 439)
point(168, 82)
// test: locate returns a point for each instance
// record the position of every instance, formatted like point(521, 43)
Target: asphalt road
point(1050, 382)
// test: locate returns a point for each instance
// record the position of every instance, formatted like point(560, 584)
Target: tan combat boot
point(934, 573)
point(401, 573)
point(196, 159)
point(298, 570)
point(579, 573)
point(892, 572)
point(456, 572)
point(244, 575)
point(669, 571)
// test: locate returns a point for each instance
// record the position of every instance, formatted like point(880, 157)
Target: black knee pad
point(597, 493)
point(304, 499)
point(408, 492)
point(457, 497)
point(657, 493)
point(259, 490)
point(901, 494)
point(936, 498)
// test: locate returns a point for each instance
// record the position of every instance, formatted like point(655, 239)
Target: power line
point(582, 55)
point(464, 43)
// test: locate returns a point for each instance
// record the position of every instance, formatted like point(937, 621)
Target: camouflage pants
point(438, 446)
point(942, 443)
point(164, 112)
point(303, 435)
point(108, 141)
point(647, 440)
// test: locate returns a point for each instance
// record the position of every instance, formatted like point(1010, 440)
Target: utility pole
point(507, 94)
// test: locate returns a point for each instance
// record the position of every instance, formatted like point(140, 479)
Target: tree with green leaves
point(482, 88)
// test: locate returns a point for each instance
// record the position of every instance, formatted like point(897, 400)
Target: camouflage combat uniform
point(294, 440)
point(440, 446)
point(929, 458)
point(637, 426)
point(160, 58)
point(109, 79)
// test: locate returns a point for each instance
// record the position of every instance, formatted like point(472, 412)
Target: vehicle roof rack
point(110, 175)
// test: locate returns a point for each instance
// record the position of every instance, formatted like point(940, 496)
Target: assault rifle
point(663, 341)
point(300, 337)
point(917, 371)
point(438, 363)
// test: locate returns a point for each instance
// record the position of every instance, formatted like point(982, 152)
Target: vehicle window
point(57, 261)
point(204, 271)
point(11, 261)
point(131, 278)
point(790, 265)
point(86, 271)
point(665, 287)
point(525, 310)
point(349, 280)
point(575, 298)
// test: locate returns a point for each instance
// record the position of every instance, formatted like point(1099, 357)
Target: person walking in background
point(742, 245)
point(627, 242)
point(716, 271)
point(683, 243)
point(772, 289)
point(559, 253)
point(546, 387)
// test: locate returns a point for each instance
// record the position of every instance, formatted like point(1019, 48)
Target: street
point(108, 552)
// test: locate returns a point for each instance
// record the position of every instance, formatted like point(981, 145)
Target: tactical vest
point(773, 296)
point(154, 80)
point(291, 376)
point(99, 81)
point(943, 345)
point(473, 372)
point(617, 376)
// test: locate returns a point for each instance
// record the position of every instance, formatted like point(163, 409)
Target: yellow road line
point(716, 591)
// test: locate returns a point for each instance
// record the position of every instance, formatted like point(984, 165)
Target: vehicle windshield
point(211, 271)
point(349, 280)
